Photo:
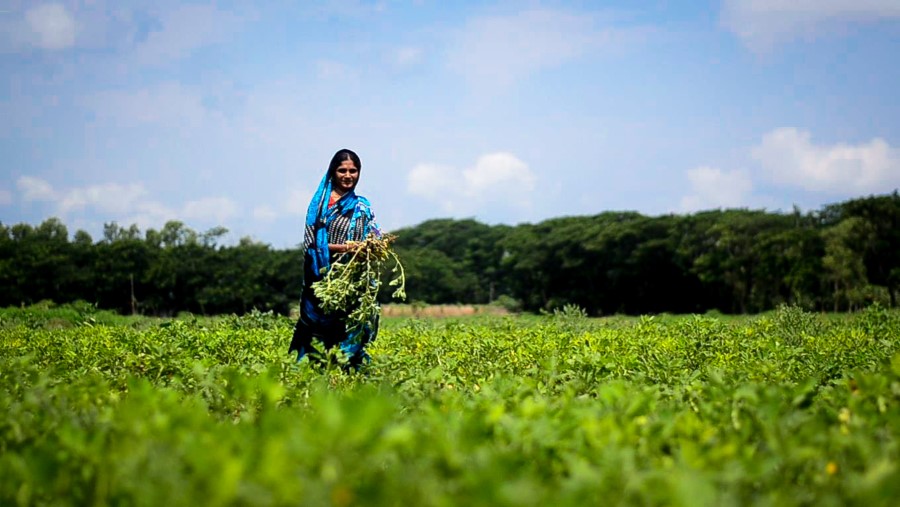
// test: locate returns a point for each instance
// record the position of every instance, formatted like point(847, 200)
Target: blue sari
point(348, 219)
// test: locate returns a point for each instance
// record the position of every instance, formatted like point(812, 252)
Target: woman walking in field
point(336, 216)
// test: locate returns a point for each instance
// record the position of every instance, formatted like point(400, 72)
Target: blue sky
point(227, 113)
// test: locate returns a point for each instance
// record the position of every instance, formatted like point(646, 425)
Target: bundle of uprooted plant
point(353, 282)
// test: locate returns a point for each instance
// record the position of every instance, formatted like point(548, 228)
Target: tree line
point(161, 272)
point(839, 257)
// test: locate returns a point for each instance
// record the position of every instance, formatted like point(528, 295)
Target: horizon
point(234, 241)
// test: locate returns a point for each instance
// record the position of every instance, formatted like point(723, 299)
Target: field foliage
point(787, 408)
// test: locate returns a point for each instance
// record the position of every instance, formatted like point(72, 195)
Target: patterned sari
point(348, 219)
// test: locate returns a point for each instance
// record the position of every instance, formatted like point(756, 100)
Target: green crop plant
point(781, 409)
point(352, 283)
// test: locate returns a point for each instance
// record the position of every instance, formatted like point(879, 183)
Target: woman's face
point(345, 176)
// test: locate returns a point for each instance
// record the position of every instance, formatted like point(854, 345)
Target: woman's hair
point(341, 156)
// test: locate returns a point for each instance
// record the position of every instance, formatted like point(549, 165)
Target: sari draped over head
point(350, 218)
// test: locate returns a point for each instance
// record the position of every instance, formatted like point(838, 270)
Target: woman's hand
point(350, 246)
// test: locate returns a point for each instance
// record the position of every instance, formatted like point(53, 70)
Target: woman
point(335, 216)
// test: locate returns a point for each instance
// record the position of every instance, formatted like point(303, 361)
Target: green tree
point(881, 254)
point(844, 267)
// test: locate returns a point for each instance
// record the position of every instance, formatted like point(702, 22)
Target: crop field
point(786, 408)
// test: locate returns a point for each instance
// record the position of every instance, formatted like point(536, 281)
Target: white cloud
point(35, 189)
point(495, 51)
point(217, 209)
point(498, 171)
point(95, 24)
point(354, 9)
point(126, 204)
point(712, 187)
point(761, 24)
point(264, 213)
point(153, 208)
point(185, 29)
point(133, 33)
point(406, 56)
point(788, 157)
point(51, 25)
point(330, 69)
point(113, 200)
point(5, 197)
point(491, 181)
point(433, 181)
point(167, 103)
point(148, 215)
point(108, 198)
